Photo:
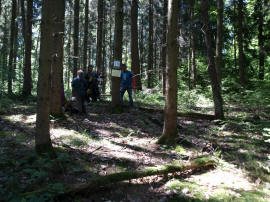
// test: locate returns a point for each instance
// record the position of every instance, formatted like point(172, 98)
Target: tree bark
point(164, 45)
point(150, 47)
point(104, 56)
point(135, 59)
point(169, 133)
point(193, 61)
point(58, 30)
point(76, 37)
point(219, 40)
point(261, 40)
point(85, 41)
point(0, 8)
point(216, 90)
point(100, 30)
point(118, 44)
point(27, 83)
point(141, 45)
point(68, 71)
point(15, 44)
point(4, 53)
point(42, 139)
point(11, 44)
point(242, 73)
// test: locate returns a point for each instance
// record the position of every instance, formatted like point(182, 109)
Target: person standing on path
point(127, 84)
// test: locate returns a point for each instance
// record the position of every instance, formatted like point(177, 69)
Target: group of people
point(87, 86)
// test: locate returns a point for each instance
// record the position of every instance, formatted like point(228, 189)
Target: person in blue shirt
point(127, 84)
point(79, 85)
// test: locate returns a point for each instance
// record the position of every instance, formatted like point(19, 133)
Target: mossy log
point(101, 181)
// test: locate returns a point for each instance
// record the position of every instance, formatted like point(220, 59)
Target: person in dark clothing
point(79, 85)
point(127, 84)
point(92, 88)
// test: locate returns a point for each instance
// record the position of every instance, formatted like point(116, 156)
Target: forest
point(194, 124)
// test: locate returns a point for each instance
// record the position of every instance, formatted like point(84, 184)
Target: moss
point(167, 140)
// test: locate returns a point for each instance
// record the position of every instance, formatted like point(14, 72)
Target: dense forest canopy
point(98, 48)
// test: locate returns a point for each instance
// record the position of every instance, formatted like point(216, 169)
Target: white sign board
point(116, 73)
point(116, 64)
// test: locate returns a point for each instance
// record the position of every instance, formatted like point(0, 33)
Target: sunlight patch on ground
point(222, 183)
point(22, 118)
point(204, 102)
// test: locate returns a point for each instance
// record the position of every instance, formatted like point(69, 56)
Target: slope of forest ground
point(101, 143)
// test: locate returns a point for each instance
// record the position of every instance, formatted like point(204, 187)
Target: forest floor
point(101, 143)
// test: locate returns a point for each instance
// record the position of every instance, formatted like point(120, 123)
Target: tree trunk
point(216, 90)
point(234, 35)
point(111, 45)
point(42, 139)
point(4, 53)
point(27, 83)
point(135, 60)
point(76, 37)
point(15, 44)
point(141, 45)
point(58, 29)
point(0, 8)
point(69, 55)
point(85, 41)
point(219, 40)
point(118, 43)
point(150, 47)
point(164, 46)
point(11, 52)
point(193, 61)
point(169, 133)
point(242, 74)
point(104, 56)
point(99, 62)
point(261, 42)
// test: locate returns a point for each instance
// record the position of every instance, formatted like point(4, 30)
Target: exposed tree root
point(101, 181)
point(193, 115)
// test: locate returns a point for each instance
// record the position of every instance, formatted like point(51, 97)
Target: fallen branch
point(96, 182)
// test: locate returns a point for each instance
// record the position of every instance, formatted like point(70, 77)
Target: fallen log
point(101, 181)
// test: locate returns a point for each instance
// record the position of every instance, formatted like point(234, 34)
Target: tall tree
point(150, 47)
point(27, 82)
point(135, 60)
point(261, 38)
point(104, 42)
point(58, 29)
point(164, 45)
point(170, 112)
point(99, 61)
point(192, 42)
point(42, 140)
point(219, 40)
point(69, 46)
point(4, 52)
point(242, 74)
point(0, 8)
point(216, 90)
point(76, 37)
point(11, 44)
point(85, 40)
point(118, 48)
